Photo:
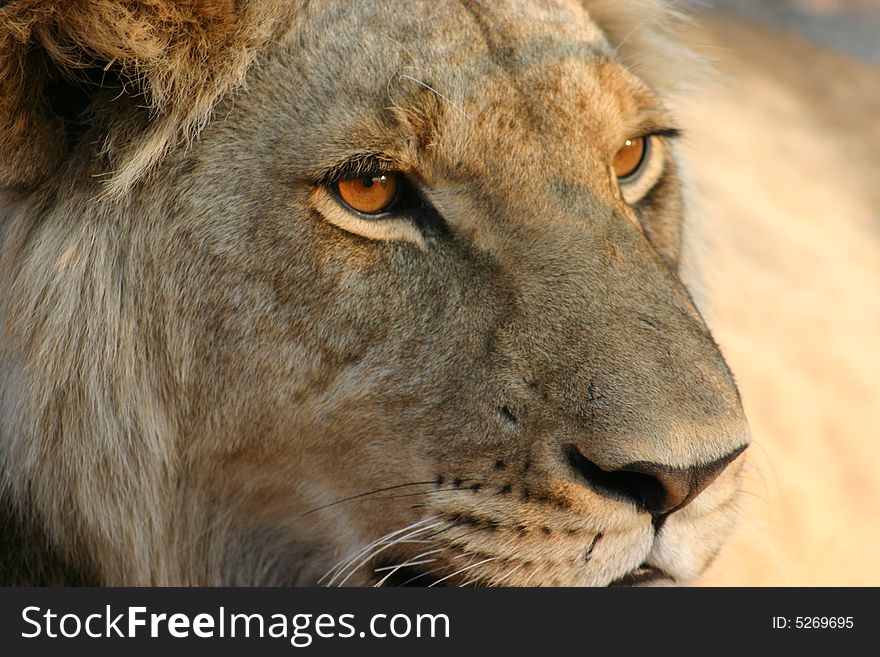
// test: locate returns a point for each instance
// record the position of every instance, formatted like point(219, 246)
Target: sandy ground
point(786, 153)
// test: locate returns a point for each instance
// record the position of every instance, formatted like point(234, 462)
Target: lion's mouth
point(644, 575)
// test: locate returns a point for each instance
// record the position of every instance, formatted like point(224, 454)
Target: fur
point(181, 58)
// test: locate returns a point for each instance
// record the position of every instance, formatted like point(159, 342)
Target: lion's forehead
point(445, 30)
point(464, 52)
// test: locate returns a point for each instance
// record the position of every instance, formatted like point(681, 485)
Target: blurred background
point(852, 26)
point(784, 147)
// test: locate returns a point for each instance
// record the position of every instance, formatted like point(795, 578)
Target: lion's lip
point(643, 576)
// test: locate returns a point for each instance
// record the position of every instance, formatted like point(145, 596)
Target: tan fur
point(209, 376)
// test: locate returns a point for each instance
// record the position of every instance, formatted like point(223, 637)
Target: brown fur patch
point(181, 57)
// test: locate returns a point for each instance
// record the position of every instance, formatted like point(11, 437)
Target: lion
point(374, 293)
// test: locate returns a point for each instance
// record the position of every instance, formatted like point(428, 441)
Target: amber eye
point(630, 157)
point(370, 194)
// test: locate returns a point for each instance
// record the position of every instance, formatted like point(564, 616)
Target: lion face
point(407, 312)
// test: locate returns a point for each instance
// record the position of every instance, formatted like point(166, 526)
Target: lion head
point(352, 293)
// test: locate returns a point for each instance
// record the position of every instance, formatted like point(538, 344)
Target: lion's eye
point(369, 194)
point(630, 158)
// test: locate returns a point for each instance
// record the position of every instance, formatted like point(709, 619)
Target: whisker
point(393, 497)
point(382, 548)
point(405, 540)
point(367, 494)
point(509, 574)
point(396, 568)
point(453, 524)
point(423, 574)
point(461, 570)
point(344, 563)
point(469, 582)
point(529, 579)
point(403, 76)
point(427, 492)
point(410, 562)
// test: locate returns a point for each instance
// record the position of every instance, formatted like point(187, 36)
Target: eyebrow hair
point(669, 133)
point(355, 165)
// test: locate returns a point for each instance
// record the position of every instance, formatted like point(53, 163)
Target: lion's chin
point(644, 575)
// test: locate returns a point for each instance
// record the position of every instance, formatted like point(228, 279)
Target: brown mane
point(179, 57)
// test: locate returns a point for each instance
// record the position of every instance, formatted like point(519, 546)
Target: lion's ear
point(176, 59)
point(650, 36)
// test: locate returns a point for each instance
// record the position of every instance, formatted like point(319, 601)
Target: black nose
point(655, 488)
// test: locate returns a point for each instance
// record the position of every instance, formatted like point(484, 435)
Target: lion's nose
point(653, 487)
